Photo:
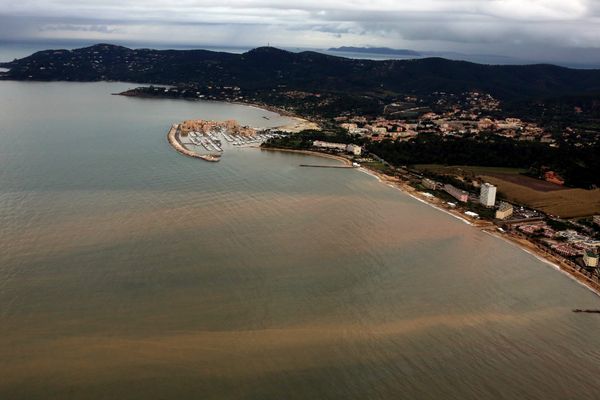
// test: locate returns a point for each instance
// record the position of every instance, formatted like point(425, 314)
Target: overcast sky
point(519, 28)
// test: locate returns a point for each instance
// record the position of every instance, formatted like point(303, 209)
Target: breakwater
point(176, 144)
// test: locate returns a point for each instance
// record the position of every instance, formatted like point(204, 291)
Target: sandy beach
point(299, 125)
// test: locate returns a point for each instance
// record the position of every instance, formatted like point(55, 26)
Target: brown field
point(565, 203)
point(467, 170)
point(541, 195)
point(529, 182)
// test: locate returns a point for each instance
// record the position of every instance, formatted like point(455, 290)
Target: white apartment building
point(350, 148)
point(487, 195)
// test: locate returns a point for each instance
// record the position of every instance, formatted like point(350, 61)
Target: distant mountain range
point(382, 53)
point(267, 68)
point(376, 50)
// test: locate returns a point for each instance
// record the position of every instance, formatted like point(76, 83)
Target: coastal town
point(397, 118)
point(405, 120)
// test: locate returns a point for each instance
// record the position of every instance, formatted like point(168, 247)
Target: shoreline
point(556, 264)
point(490, 228)
point(262, 106)
point(298, 124)
point(430, 201)
point(485, 226)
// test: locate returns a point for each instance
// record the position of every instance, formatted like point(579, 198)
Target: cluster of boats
point(210, 141)
point(240, 140)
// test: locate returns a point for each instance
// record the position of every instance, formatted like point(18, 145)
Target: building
point(487, 195)
point(504, 211)
point(553, 177)
point(379, 130)
point(457, 193)
point(429, 184)
point(329, 145)
point(350, 148)
point(354, 149)
point(349, 126)
point(590, 259)
point(564, 250)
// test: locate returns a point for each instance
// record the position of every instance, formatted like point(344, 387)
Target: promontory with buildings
point(205, 139)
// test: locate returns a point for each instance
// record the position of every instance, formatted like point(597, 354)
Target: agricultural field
point(527, 181)
point(564, 202)
point(535, 193)
point(467, 170)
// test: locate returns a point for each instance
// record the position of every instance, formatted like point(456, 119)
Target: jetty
point(176, 144)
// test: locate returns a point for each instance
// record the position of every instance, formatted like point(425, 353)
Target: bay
point(129, 271)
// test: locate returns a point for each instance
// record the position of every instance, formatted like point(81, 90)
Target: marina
point(208, 139)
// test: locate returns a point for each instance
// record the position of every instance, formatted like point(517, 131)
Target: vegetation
point(566, 203)
point(560, 225)
point(562, 115)
point(578, 166)
point(304, 140)
point(467, 170)
point(377, 166)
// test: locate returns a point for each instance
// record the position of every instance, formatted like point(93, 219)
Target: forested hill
point(268, 67)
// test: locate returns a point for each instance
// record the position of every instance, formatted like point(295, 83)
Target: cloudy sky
point(540, 29)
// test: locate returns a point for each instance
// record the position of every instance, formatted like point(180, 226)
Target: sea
point(129, 271)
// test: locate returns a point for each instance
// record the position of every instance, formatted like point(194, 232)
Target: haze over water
point(130, 271)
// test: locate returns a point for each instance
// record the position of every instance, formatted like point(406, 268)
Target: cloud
point(78, 28)
point(475, 25)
